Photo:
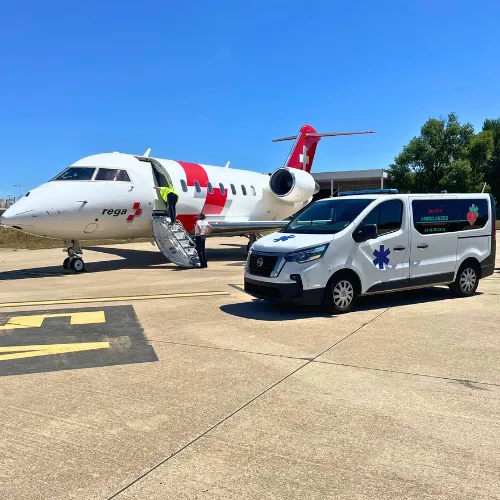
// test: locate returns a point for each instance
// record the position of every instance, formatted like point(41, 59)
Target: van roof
point(432, 196)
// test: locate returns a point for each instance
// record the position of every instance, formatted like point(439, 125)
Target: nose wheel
point(73, 260)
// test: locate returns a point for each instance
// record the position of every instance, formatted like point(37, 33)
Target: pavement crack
point(352, 333)
point(413, 374)
point(242, 351)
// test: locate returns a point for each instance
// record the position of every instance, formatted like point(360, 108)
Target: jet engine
point(292, 185)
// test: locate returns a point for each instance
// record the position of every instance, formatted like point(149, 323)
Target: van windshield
point(327, 217)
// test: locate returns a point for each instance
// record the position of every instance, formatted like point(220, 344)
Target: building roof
point(350, 175)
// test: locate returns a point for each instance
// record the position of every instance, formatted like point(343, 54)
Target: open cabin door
point(160, 178)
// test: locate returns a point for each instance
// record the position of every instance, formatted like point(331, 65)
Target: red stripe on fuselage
point(214, 202)
point(194, 172)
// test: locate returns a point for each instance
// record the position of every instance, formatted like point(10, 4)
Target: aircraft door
point(160, 178)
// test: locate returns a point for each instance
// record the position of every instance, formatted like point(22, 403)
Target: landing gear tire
point(466, 282)
point(66, 263)
point(340, 295)
point(77, 265)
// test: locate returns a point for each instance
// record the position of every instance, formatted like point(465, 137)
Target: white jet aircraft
point(112, 195)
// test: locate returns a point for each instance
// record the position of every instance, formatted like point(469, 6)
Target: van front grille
point(262, 265)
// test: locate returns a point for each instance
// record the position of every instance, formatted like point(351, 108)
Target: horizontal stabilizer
point(329, 134)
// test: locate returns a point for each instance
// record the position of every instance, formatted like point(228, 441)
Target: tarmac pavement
point(137, 380)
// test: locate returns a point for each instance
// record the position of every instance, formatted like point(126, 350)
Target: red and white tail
point(301, 155)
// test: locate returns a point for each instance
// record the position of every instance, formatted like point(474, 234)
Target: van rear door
point(434, 239)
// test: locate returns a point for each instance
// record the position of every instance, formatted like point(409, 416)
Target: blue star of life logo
point(284, 238)
point(381, 257)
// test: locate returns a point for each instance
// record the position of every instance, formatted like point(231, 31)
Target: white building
point(350, 180)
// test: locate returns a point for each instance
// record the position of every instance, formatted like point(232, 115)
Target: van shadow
point(130, 259)
point(275, 311)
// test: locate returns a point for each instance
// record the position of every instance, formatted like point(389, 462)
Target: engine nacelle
point(292, 185)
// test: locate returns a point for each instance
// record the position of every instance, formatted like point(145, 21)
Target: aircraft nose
point(15, 218)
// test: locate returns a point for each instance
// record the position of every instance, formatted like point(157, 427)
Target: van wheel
point(466, 281)
point(340, 295)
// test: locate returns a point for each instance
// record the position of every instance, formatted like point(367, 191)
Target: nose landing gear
point(74, 260)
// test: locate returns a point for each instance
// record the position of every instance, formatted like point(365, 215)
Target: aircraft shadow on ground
point(268, 311)
point(130, 259)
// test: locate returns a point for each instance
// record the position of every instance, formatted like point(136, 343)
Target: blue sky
point(216, 81)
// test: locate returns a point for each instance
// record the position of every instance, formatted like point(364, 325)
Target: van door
point(434, 239)
point(383, 261)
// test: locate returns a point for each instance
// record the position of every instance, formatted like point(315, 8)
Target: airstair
point(175, 243)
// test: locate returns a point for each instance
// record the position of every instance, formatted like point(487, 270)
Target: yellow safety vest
point(165, 191)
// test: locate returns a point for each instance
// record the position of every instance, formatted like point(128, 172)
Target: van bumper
point(487, 269)
point(284, 292)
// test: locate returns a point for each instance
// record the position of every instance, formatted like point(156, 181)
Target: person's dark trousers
point(172, 201)
point(200, 248)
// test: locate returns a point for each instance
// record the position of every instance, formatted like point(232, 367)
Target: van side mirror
point(365, 233)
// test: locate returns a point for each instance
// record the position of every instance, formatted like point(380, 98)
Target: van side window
point(472, 214)
point(184, 185)
point(210, 188)
point(388, 216)
point(222, 188)
point(435, 216)
point(233, 189)
point(197, 186)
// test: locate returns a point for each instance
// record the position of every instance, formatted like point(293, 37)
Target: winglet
point(227, 164)
point(146, 154)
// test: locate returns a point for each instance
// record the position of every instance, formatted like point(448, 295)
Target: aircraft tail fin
point(301, 155)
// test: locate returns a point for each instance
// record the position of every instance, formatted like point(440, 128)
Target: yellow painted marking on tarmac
point(35, 321)
point(111, 299)
point(31, 351)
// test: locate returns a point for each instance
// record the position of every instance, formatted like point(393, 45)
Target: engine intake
point(292, 185)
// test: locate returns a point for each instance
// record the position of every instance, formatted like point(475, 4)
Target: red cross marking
point(137, 213)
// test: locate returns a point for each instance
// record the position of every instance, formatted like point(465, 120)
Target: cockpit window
point(122, 176)
point(106, 174)
point(76, 174)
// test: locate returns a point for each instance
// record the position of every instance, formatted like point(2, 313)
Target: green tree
point(491, 130)
point(445, 156)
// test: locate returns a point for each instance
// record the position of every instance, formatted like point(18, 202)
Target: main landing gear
point(74, 260)
point(252, 238)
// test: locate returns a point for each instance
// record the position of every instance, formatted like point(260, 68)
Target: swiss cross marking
point(304, 159)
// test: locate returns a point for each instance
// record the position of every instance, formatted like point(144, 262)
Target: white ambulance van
point(337, 249)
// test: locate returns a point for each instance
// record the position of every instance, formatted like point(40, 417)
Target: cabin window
point(222, 188)
point(197, 186)
point(243, 190)
point(253, 191)
point(184, 185)
point(76, 174)
point(210, 188)
point(233, 189)
point(122, 176)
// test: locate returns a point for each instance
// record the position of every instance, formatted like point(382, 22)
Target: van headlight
point(307, 255)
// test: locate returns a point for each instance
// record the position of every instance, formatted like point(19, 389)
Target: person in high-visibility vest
point(171, 198)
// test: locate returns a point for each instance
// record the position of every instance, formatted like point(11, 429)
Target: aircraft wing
point(240, 228)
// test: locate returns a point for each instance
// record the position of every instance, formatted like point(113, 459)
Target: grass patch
point(10, 238)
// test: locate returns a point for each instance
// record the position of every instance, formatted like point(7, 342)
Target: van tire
point(340, 294)
point(467, 280)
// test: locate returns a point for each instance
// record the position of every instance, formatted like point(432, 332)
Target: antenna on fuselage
point(227, 164)
point(146, 154)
